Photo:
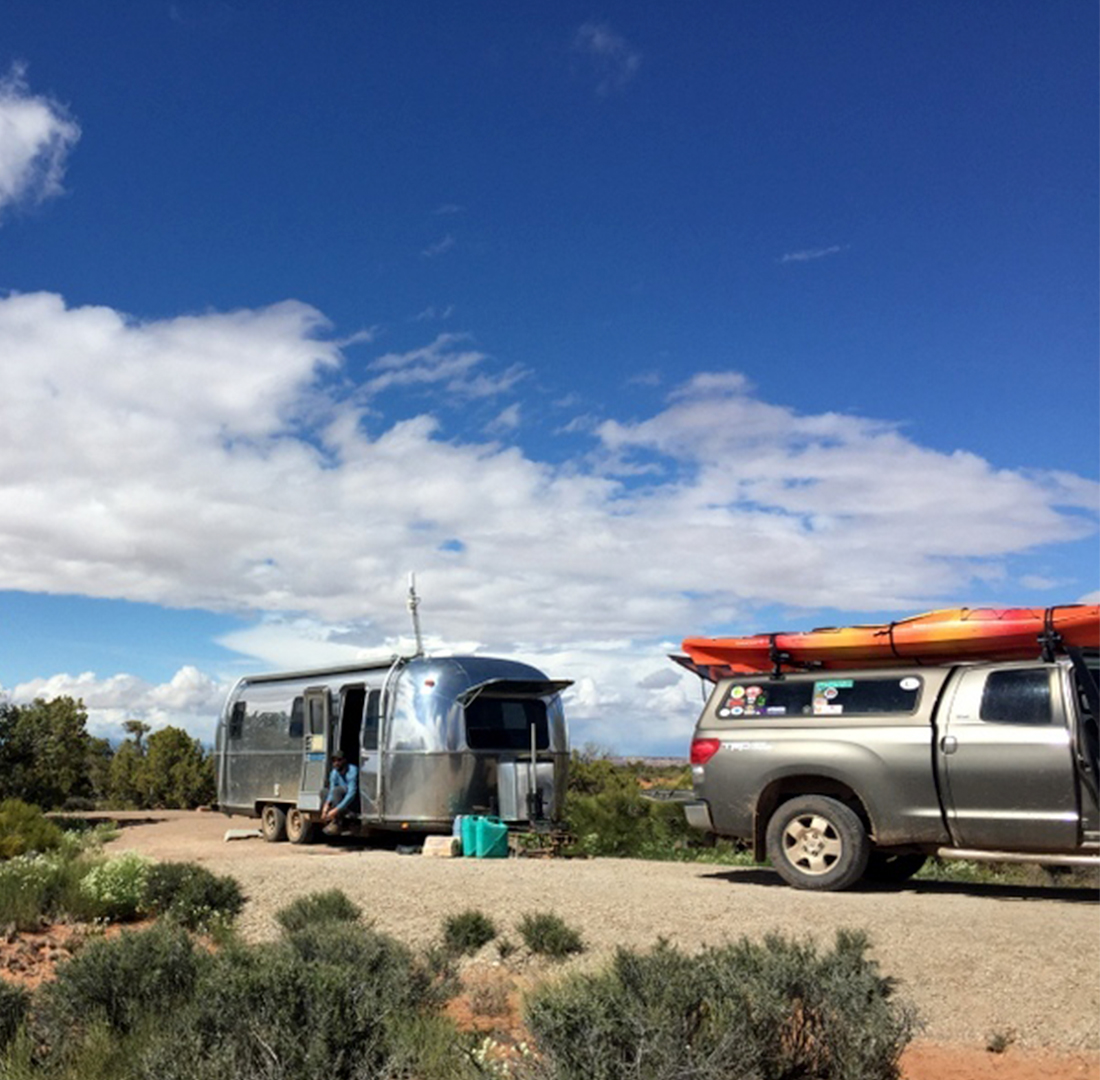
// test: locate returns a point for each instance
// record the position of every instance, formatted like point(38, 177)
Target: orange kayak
point(936, 637)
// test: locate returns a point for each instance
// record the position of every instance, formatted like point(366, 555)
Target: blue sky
point(615, 325)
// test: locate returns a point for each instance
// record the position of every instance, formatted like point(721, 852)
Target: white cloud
point(190, 700)
point(200, 461)
point(613, 60)
point(36, 135)
point(810, 254)
point(445, 363)
point(440, 247)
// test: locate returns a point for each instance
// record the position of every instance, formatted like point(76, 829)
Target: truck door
point(1006, 760)
point(318, 737)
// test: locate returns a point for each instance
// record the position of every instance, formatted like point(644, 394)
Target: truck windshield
point(494, 723)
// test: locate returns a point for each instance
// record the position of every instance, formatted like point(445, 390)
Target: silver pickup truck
point(839, 775)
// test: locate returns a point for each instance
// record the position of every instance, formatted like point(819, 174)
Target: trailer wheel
point(299, 828)
point(893, 869)
point(273, 823)
point(815, 842)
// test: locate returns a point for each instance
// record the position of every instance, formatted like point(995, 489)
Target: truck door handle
point(949, 744)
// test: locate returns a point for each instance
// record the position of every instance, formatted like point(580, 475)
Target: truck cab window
point(500, 724)
point(297, 719)
point(1017, 697)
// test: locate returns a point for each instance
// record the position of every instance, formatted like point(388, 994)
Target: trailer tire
point(273, 823)
point(815, 842)
point(299, 827)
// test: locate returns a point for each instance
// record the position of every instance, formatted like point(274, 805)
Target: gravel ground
point(974, 959)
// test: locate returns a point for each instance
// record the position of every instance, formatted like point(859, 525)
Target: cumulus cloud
point(36, 135)
point(216, 461)
point(190, 700)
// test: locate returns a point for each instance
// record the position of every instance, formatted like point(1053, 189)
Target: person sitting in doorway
point(343, 787)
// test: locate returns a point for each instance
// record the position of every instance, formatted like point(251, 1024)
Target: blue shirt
point(349, 781)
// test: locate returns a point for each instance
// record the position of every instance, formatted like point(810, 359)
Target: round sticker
point(830, 692)
point(910, 682)
point(737, 692)
point(737, 710)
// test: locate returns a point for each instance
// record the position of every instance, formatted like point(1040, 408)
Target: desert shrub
point(467, 931)
point(329, 906)
point(332, 999)
point(24, 829)
point(34, 888)
point(118, 983)
point(745, 1011)
point(191, 895)
point(115, 889)
point(549, 935)
point(13, 1007)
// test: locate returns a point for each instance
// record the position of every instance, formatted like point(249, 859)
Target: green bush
point(770, 1011)
point(114, 889)
point(13, 1007)
point(24, 829)
point(468, 931)
point(191, 895)
point(548, 935)
point(332, 999)
point(320, 907)
point(118, 983)
point(34, 888)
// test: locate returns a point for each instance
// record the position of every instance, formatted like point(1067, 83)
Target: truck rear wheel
point(299, 828)
point(273, 823)
point(815, 842)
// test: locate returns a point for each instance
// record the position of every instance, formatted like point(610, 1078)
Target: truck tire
point(273, 823)
point(815, 842)
point(299, 828)
point(889, 869)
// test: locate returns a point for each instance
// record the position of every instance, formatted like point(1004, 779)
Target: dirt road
point(976, 960)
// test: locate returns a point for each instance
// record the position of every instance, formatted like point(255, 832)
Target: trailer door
point(318, 738)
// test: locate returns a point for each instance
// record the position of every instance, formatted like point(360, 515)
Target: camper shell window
point(747, 698)
point(496, 723)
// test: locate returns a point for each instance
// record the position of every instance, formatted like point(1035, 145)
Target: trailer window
point(297, 719)
point(316, 716)
point(502, 724)
point(1017, 697)
point(371, 717)
point(236, 719)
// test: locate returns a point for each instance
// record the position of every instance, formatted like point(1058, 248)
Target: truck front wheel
point(815, 842)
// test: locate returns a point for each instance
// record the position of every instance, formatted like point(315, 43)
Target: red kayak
point(937, 637)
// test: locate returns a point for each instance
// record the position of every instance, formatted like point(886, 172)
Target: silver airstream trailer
point(432, 737)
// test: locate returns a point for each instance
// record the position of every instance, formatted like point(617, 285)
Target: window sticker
point(826, 692)
point(910, 682)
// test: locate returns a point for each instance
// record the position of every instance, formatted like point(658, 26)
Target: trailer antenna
point(414, 604)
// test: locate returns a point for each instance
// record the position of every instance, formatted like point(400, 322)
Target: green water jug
point(492, 838)
point(469, 835)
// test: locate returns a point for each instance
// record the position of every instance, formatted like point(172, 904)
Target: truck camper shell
point(432, 737)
